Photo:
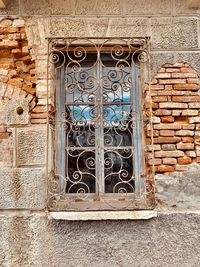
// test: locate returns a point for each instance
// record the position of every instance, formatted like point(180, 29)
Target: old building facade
point(38, 226)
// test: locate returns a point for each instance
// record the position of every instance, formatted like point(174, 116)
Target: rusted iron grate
point(99, 159)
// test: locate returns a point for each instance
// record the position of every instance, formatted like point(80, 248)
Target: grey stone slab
point(174, 33)
point(12, 8)
point(22, 188)
point(31, 146)
point(128, 27)
point(47, 7)
point(11, 115)
point(98, 27)
point(66, 27)
point(136, 7)
point(180, 191)
point(95, 7)
point(182, 7)
point(6, 152)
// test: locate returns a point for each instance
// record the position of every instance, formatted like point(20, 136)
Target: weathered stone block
point(147, 7)
point(183, 7)
point(171, 33)
point(48, 7)
point(128, 27)
point(31, 146)
point(22, 188)
point(66, 27)
point(111, 7)
point(167, 126)
point(98, 27)
point(12, 115)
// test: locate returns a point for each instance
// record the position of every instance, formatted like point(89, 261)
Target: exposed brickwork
point(17, 81)
point(17, 71)
point(176, 118)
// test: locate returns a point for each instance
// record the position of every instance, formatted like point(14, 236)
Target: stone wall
point(28, 236)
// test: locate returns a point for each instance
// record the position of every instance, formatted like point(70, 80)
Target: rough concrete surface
point(170, 240)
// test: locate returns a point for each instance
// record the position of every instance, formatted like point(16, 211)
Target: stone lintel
point(103, 215)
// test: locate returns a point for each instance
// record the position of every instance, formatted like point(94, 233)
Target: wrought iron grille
point(98, 123)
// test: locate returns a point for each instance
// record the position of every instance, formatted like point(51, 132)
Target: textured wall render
point(32, 240)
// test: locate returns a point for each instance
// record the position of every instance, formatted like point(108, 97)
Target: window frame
point(141, 201)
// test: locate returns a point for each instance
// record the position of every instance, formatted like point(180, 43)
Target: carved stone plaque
point(31, 146)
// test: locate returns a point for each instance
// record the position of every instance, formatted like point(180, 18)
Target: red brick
point(188, 86)
point(8, 30)
point(28, 89)
point(155, 162)
point(167, 119)
point(164, 168)
point(163, 75)
point(167, 126)
point(186, 99)
point(167, 132)
point(39, 115)
point(4, 135)
point(166, 140)
point(187, 69)
point(185, 146)
point(172, 81)
point(187, 139)
point(193, 80)
point(169, 161)
point(157, 87)
point(159, 99)
point(172, 70)
point(185, 160)
point(163, 112)
point(184, 75)
point(155, 133)
point(197, 159)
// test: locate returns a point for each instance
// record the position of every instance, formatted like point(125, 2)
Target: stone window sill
point(102, 215)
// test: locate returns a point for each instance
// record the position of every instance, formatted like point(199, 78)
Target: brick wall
point(18, 84)
point(176, 118)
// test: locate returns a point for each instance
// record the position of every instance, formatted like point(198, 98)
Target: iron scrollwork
point(100, 115)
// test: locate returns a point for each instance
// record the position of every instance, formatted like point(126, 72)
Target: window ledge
point(102, 215)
